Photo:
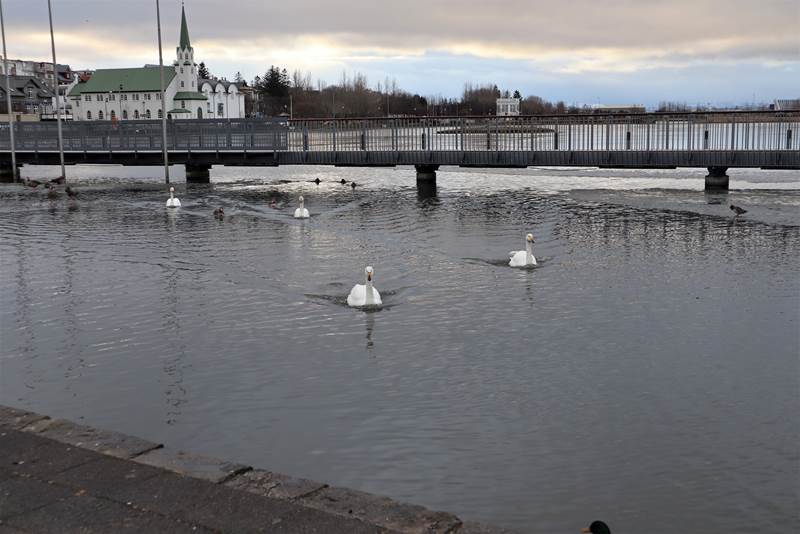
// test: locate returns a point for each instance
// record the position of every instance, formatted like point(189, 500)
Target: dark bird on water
point(353, 185)
point(70, 193)
point(60, 180)
point(342, 181)
point(219, 212)
point(597, 527)
point(317, 181)
point(51, 191)
point(738, 210)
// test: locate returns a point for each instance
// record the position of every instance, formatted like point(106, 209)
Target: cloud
point(549, 39)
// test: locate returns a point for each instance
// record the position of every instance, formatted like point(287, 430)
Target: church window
point(181, 70)
point(160, 113)
point(182, 84)
point(125, 114)
point(100, 115)
point(158, 96)
point(147, 114)
point(136, 96)
point(135, 113)
point(113, 115)
point(88, 115)
point(87, 98)
point(220, 110)
point(111, 97)
point(183, 104)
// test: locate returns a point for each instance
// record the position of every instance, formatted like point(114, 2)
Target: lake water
point(646, 373)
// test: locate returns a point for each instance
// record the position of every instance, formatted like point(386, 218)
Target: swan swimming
point(366, 294)
point(172, 201)
point(523, 258)
point(301, 212)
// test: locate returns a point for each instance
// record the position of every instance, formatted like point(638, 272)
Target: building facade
point(29, 96)
point(128, 94)
point(508, 107)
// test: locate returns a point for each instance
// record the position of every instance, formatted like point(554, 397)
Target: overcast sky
point(581, 51)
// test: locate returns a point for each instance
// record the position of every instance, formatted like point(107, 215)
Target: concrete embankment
point(58, 476)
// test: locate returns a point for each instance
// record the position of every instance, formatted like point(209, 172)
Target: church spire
point(184, 44)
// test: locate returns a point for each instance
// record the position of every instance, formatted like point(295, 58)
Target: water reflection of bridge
point(715, 140)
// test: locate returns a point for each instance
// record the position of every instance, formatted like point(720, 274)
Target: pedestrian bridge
point(715, 140)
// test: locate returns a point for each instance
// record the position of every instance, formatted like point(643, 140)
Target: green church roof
point(190, 95)
point(131, 80)
point(184, 31)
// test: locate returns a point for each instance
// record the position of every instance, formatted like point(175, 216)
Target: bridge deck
point(754, 139)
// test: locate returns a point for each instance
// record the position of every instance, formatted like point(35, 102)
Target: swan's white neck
point(171, 196)
point(370, 299)
point(528, 252)
point(302, 204)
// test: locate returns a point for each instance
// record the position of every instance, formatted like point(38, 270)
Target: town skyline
point(604, 56)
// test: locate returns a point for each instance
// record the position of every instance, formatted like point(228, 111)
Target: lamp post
point(163, 100)
point(105, 105)
point(55, 88)
point(120, 102)
point(8, 95)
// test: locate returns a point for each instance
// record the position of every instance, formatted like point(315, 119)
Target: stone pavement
point(58, 476)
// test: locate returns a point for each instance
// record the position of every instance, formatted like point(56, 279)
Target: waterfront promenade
point(58, 476)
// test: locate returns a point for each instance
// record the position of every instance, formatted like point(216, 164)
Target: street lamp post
point(55, 89)
point(120, 102)
point(163, 100)
point(8, 96)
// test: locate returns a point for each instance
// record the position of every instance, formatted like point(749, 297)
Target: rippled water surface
point(645, 373)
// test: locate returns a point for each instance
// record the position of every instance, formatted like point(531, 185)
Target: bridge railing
point(609, 132)
point(717, 131)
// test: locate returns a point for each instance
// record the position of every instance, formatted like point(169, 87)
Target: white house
point(508, 107)
point(121, 94)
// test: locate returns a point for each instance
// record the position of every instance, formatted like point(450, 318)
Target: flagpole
point(55, 88)
point(163, 101)
point(8, 95)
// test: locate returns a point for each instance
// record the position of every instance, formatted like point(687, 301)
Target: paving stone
point(382, 511)
point(106, 442)
point(18, 419)
point(100, 476)
point(219, 507)
point(19, 495)
point(471, 527)
point(32, 455)
point(194, 465)
point(83, 514)
point(274, 485)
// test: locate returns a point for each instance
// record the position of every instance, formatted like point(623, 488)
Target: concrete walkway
point(58, 476)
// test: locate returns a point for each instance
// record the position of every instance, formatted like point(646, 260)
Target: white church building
point(124, 94)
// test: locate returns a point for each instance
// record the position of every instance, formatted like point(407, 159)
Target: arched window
point(100, 115)
point(199, 112)
point(88, 115)
point(135, 113)
point(181, 70)
point(125, 114)
point(147, 114)
point(182, 83)
point(160, 113)
point(113, 115)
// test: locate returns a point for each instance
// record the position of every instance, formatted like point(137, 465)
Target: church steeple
point(184, 44)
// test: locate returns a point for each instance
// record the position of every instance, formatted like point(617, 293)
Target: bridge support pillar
point(717, 179)
point(426, 180)
point(198, 174)
point(8, 174)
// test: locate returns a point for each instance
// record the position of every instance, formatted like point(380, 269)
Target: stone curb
point(379, 511)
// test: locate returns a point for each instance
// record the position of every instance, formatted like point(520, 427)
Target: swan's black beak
point(369, 277)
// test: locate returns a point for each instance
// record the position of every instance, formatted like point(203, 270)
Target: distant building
point(28, 96)
point(789, 104)
point(135, 93)
point(618, 108)
point(508, 107)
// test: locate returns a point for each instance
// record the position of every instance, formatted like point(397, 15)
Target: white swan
point(523, 258)
point(366, 294)
point(173, 202)
point(301, 212)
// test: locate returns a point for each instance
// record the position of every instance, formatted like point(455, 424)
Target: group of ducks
point(52, 192)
